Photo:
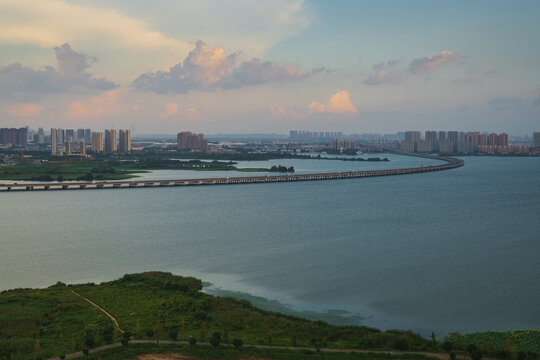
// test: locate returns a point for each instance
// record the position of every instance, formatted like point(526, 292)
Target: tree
point(150, 333)
point(237, 343)
point(203, 331)
point(452, 355)
point(401, 344)
point(173, 334)
point(60, 178)
point(476, 354)
point(62, 357)
point(124, 342)
point(470, 348)
point(446, 346)
point(215, 339)
point(159, 331)
point(192, 341)
point(86, 351)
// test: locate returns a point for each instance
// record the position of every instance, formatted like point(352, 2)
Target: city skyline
point(304, 64)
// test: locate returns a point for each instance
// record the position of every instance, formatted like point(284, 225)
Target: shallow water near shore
point(443, 251)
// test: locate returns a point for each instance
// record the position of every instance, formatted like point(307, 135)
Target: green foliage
point(476, 354)
point(237, 343)
point(215, 339)
point(55, 321)
point(493, 341)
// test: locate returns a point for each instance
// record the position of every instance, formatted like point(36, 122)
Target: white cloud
point(209, 68)
point(50, 22)
point(71, 75)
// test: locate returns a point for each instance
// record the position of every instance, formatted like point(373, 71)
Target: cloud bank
point(71, 74)
point(208, 68)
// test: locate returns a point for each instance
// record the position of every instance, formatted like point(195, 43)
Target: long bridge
point(451, 163)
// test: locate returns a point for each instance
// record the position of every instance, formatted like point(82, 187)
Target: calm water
point(452, 250)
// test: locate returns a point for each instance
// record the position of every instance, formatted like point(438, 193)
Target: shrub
point(192, 341)
point(125, 342)
point(215, 339)
point(446, 346)
point(85, 351)
point(173, 334)
point(237, 343)
point(476, 355)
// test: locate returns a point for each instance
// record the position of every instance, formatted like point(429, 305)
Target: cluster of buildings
point(13, 136)
point(451, 142)
point(69, 142)
point(342, 144)
point(301, 135)
point(189, 141)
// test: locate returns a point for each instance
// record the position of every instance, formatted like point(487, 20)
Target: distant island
point(138, 313)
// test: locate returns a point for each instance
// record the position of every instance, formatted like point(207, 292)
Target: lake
point(441, 251)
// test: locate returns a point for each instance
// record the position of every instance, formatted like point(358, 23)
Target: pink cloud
point(429, 63)
point(277, 111)
point(96, 107)
point(25, 110)
point(339, 103)
point(170, 110)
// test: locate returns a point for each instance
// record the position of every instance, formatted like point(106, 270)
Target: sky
point(269, 66)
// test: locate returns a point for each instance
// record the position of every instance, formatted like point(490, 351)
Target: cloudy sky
point(247, 66)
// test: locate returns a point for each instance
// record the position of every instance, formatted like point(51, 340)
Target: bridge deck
point(451, 163)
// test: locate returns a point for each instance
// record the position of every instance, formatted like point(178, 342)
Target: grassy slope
point(49, 321)
point(54, 321)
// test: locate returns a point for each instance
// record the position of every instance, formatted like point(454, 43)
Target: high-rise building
point(502, 139)
point(474, 139)
point(536, 140)
point(492, 139)
point(124, 141)
point(187, 140)
point(53, 142)
point(40, 136)
point(423, 146)
point(341, 144)
point(60, 136)
point(82, 148)
point(442, 135)
point(110, 141)
point(431, 137)
point(447, 146)
point(482, 139)
point(14, 137)
point(97, 142)
point(87, 136)
point(68, 148)
point(412, 135)
point(70, 135)
point(80, 134)
point(453, 136)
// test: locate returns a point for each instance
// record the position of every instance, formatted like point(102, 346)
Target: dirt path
point(440, 356)
point(102, 310)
